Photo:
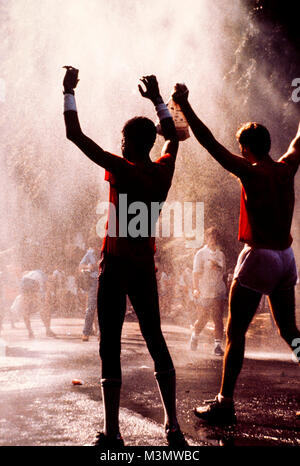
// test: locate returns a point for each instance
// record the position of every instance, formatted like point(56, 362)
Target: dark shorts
point(121, 277)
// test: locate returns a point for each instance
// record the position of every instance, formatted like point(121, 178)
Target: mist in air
point(49, 190)
point(112, 43)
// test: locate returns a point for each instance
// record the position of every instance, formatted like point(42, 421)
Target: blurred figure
point(186, 292)
point(209, 289)
point(163, 285)
point(127, 264)
point(32, 299)
point(266, 265)
point(55, 292)
point(73, 301)
point(10, 281)
point(88, 269)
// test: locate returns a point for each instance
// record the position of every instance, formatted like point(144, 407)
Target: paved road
point(41, 407)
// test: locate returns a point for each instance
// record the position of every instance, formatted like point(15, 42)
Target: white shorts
point(208, 302)
point(266, 270)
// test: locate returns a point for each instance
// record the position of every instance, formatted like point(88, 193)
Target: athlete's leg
point(111, 305)
point(217, 309)
point(144, 298)
point(45, 313)
point(90, 311)
point(27, 309)
point(282, 303)
point(202, 319)
point(203, 316)
point(143, 295)
point(243, 303)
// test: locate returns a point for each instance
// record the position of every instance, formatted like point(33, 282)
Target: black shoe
point(104, 441)
point(218, 351)
point(175, 438)
point(216, 412)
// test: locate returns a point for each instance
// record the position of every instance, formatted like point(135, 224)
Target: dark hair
point(213, 232)
point(141, 132)
point(254, 136)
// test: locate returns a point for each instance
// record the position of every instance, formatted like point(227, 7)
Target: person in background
point(164, 290)
point(209, 270)
point(55, 292)
point(12, 275)
point(33, 291)
point(186, 293)
point(88, 269)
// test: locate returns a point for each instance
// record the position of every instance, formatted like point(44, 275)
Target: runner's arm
point(292, 156)
point(231, 162)
point(110, 162)
point(166, 121)
point(196, 278)
point(169, 133)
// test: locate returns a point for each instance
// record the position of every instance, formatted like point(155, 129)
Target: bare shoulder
point(292, 155)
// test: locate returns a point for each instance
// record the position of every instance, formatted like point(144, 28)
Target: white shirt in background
point(211, 283)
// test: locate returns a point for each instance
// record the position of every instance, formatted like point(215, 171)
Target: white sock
point(217, 343)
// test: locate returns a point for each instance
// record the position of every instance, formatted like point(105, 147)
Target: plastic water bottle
point(181, 125)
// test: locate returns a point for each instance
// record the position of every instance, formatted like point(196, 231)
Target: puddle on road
point(230, 437)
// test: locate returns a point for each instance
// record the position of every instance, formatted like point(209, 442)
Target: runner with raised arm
point(127, 266)
point(267, 264)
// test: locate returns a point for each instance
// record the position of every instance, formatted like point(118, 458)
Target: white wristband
point(69, 103)
point(162, 111)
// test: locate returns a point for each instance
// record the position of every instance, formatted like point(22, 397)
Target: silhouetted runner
point(267, 264)
point(127, 266)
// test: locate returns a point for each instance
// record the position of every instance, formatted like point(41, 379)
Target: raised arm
point(231, 162)
point(292, 156)
point(110, 162)
point(166, 121)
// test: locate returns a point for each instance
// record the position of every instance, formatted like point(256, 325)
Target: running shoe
point(108, 442)
point(216, 412)
point(218, 351)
